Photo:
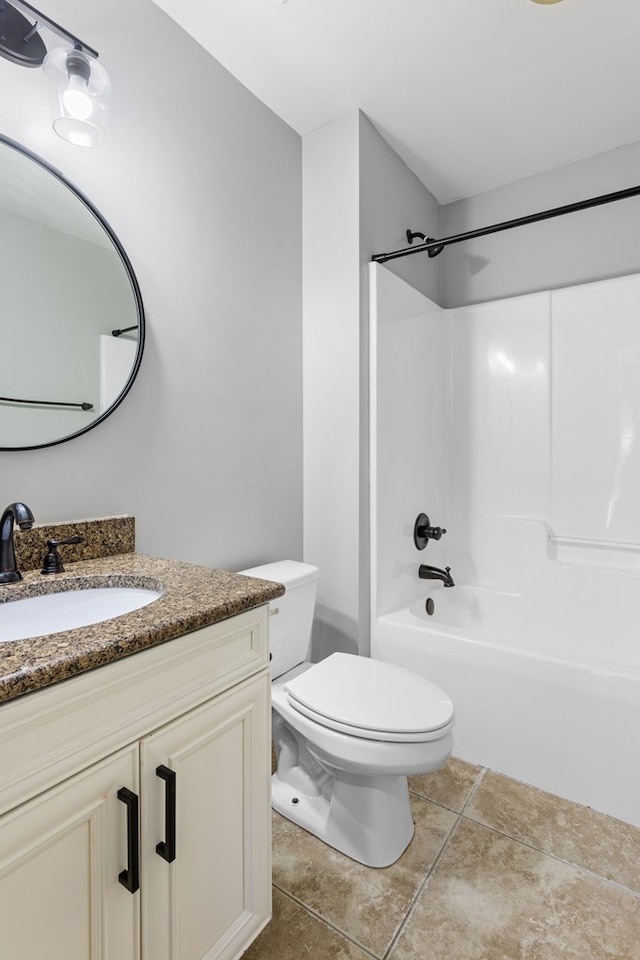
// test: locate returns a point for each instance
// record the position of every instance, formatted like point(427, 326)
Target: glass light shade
point(81, 94)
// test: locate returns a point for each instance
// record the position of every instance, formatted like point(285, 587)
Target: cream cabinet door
point(207, 893)
point(61, 856)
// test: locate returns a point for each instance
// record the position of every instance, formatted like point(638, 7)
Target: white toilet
point(347, 732)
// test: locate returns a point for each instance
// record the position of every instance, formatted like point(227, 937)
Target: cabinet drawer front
point(211, 900)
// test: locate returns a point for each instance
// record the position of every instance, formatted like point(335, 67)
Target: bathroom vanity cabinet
point(92, 864)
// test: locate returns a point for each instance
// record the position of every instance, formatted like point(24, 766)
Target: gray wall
point(591, 245)
point(202, 184)
point(392, 201)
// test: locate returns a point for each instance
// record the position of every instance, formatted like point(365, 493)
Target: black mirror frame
point(134, 287)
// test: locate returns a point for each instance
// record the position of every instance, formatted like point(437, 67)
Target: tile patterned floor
point(497, 870)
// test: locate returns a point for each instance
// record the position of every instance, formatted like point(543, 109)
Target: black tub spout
point(426, 572)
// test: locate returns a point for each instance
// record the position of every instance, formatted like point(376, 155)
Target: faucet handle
point(52, 561)
point(423, 531)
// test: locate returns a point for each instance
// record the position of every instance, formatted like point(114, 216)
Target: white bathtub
point(548, 713)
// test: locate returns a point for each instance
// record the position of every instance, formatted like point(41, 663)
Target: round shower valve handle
point(423, 531)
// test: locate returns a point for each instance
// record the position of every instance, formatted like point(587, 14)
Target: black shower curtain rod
point(433, 247)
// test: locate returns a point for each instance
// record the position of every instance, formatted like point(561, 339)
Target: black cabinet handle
point(130, 878)
point(167, 847)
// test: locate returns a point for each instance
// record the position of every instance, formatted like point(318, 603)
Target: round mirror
point(72, 320)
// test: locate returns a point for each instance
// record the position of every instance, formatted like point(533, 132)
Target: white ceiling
point(472, 94)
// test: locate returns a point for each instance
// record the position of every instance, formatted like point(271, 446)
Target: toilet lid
point(371, 699)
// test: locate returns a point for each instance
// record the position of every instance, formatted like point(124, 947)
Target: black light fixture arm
point(434, 247)
point(41, 19)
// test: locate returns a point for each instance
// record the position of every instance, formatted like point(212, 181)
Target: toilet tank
point(290, 616)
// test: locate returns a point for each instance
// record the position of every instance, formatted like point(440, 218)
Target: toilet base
point(367, 818)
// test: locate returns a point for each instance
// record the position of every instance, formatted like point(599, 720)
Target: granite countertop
point(193, 597)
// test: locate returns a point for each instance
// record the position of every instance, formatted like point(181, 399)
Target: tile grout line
point(444, 806)
point(554, 856)
point(474, 789)
point(327, 923)
point(591, 873)
point(422, 887)
point(430, 872)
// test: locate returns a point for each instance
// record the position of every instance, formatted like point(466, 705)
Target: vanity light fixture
point(80, 86)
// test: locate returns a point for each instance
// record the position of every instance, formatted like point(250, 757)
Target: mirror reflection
point(72, 323)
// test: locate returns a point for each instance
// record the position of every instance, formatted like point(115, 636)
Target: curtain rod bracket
point(433, 246)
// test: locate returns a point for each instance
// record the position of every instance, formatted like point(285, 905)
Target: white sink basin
point(55, 612)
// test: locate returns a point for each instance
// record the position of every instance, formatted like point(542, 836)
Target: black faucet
point(15, 513)
point(425, 572)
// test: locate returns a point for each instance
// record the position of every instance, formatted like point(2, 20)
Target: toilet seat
point(371, 699)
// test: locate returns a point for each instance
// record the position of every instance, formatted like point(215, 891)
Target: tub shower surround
point(516, 424)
